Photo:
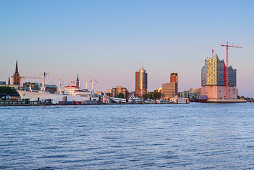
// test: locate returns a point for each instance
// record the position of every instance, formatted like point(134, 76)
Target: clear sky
point(106, 40)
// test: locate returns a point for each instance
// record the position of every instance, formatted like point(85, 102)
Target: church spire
point(77, 77)
point(77, 82)
point(16, 70)
point(16, 76)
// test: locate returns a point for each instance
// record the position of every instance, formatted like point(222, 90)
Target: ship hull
point(55, 98)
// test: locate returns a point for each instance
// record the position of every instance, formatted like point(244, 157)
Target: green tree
point(120, 95)
point(145, 96)
point(4, 90)
point(152, 95)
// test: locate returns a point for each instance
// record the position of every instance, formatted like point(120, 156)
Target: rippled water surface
point(193, 136)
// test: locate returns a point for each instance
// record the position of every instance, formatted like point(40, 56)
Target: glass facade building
point(213, 73)
point(140, 82)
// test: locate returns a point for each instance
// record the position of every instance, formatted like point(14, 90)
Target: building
point(118, 90)
point(51, 88)
point(174, 78)
point(213, 79)
point(31, 86)
point(77, 82)
point(192, 93)
point(213, 73)
point(140, 82)
point(16, 76)
point(170, 90)
point(2, 83)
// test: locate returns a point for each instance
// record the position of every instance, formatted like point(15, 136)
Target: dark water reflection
point(194, 136)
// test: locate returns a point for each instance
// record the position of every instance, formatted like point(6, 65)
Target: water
point(194, 136)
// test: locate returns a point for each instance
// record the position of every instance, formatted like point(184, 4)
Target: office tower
point(174, 78)
point(174, 82)
point(140, 82)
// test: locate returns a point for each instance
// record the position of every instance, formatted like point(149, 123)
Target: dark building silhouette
point(77, 82)
point(16, 76)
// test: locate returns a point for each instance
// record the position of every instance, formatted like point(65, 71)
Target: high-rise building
point(174, 78)
point(213, 79)
point(170, 90)
point(16, 76)
point(140, 82)
point(213, 73)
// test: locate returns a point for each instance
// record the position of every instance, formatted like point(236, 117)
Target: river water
point(192, 136)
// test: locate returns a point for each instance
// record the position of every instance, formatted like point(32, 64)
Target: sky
point(107, 39)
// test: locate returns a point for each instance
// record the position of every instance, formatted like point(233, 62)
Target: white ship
point(70, 93)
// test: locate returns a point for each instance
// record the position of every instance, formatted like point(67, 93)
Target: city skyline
point(106, 41)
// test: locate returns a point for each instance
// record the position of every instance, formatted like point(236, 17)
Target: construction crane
point(27, 77)
point(227, 46)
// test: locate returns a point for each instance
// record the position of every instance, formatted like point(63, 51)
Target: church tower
point(77, 82)
point(16, 76)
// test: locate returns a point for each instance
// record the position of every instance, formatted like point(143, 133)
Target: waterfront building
point(51, 88)
point(170, 90)
point(16, 76)
point(140, 82)
point(174, 78)
point(213, 79)
point(118, 90)
point(31, 86)
point(192, 93)
point(2, 83)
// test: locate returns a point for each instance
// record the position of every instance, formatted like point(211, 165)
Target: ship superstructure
point(70, 93)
